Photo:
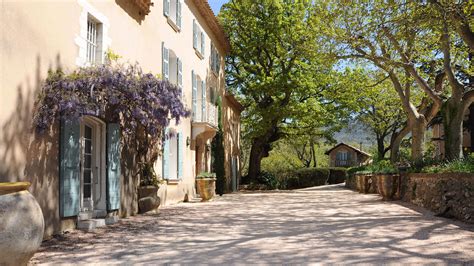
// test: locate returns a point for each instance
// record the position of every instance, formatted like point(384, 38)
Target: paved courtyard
point(319, 225)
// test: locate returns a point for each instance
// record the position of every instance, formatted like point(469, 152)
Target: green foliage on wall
point(218, 154)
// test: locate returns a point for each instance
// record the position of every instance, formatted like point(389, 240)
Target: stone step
point(85, 215)
point(100, 213)
point(90, 224)
point(111, 220)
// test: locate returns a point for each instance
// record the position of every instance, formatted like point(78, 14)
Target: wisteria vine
point(142, 103)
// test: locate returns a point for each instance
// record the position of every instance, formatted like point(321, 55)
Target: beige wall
point(231, 128)
point(41, 35)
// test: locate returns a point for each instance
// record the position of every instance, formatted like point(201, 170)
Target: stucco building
point(179, 39)
point(344, 155)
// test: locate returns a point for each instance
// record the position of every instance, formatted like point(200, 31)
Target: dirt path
point(325, 225)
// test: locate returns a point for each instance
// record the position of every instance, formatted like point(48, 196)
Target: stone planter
point(387, 185)
point(206, 188)
point(148, 199)
point(21, 224)
point(364, 182)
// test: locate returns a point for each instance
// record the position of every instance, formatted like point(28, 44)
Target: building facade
point(82, 170)
point(344, 155)
point(468, 135)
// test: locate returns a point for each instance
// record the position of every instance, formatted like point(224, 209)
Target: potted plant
point(206, 185)
point(21, 224)
point(387, 178)
point(148, 199)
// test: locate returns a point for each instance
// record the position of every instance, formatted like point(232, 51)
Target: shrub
point(306, 177)
point(337, 175)
point(465, 165)
point(380, 167)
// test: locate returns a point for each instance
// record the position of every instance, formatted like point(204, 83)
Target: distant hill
point(354, 134)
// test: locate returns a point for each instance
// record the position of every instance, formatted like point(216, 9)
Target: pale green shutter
point(166, 7)
point(180, 154)
point(203, 102)
point(218, 62)
point(178, 13)
point(203, 43)
point(166, 155)
point(69, 168)
point(165, 59)
point(113, 166)
point(195, 35)
point(180, 74)
point(194, 81)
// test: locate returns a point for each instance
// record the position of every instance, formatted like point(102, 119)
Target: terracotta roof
point(231, 98)
point(143, 5)
point(206, 12)
point(349, 146)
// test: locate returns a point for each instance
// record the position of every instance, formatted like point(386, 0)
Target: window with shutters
point(215, 60)
point(94, 41)
point(172, 67)
point(172, 11)
point(199, 40)
point(173, 155)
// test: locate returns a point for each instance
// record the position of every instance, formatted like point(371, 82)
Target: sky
point(216, 5)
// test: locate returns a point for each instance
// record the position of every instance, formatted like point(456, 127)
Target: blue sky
point(216, 5)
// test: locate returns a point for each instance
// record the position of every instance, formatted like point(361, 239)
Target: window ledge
point(198, 53)
point(172, 181)
point(173, 24)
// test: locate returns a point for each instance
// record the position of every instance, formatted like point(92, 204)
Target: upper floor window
point(172, 67)
point(172, 10)
point(94, 41)
point(215, 60)
point(199, 41)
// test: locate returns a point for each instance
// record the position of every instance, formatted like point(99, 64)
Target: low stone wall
point(449, 194)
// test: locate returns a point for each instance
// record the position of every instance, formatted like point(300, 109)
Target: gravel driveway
point(317, 225)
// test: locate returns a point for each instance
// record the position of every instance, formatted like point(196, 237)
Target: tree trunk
point(380, 147)
point(452, 122)
point(256, 155)
point(418, 129)
point(395, 142)
point(260, 149)
point(313, 154)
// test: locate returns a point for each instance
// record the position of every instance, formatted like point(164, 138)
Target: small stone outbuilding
point(344, 155)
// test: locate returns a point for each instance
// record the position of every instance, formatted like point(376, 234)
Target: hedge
point(309, 177)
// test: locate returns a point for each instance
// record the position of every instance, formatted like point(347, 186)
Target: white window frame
point(172, 12)
point(215, 60)
point(103, 43)
point(171, 61)
point(199, 40)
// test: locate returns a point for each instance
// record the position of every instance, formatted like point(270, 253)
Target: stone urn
point(21, 224)
point(387, 185)
point(148, 199)
point(206, 187)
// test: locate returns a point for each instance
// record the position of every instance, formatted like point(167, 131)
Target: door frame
point(98, 189)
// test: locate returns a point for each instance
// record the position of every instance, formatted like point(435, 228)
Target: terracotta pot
point(206, 188)
point(387, 185)
point(21, 224)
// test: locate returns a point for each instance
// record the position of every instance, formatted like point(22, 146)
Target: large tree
point(275, 68)
point(395, 37)
point(380, 111)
